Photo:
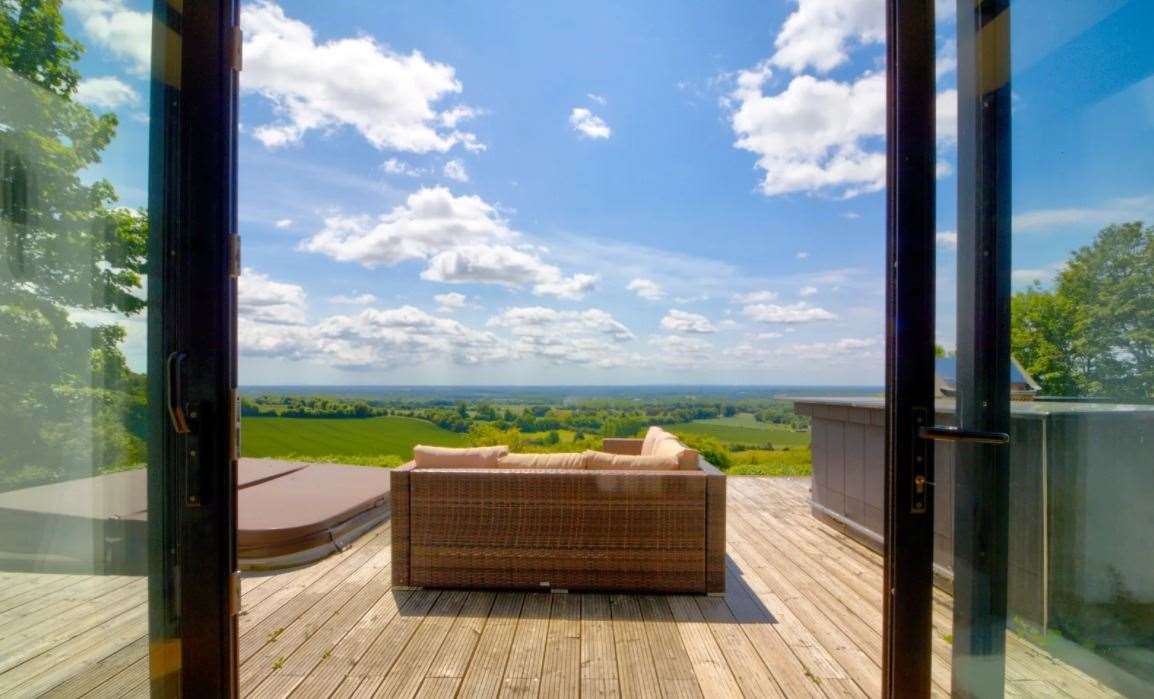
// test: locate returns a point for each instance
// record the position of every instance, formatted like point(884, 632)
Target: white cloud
point(599, 99)
point(388, 97)
point(799, 312)
point(455, 170)
point(125, 33)
point(105, 93)
point(463, 239)
point(573, 287)
point(1044, 275)
point(686, 322)
point(646, 289)
point(393, 166)
point(802, 255)
point(844, 349)
point(851, 215)
point(353, 300)
point(755, 297)
point(821, 135)
point(947, 117)
point(682, 352)
point(262, 300)
point(588, 124)
point(820, 33)
point(815, 135)
point(807, 291)
point(1112, 211)
point(946, 60)
point(284, 223)
point(450, 302)
point(590, 337)
point(948, 240)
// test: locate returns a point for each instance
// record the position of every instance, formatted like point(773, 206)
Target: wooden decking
point(801, 618)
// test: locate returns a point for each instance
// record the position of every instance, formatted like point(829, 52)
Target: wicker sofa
point(571, 529)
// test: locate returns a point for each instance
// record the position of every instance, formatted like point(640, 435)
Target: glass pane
point(1080, 576)
point(73, 431)
point(1083, 331)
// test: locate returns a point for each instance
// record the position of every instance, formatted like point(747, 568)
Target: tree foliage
point(72, 266)
point(1092, 334)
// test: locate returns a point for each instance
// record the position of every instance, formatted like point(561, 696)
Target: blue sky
point(590, 193)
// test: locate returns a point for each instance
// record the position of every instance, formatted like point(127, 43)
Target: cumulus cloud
point(393, 166)
point(800, 312)
point(463, 240)
point(819, 33)
point(815, 135)
point(262, 300)
point(388, 97)
point(374, 339)
point(592, 336)
point(755, 297)
point(646, 289)
point(807, 291)
point(682, 352)
point(450, 302)
point(802, 255)
point(455, 170)
point(125, 33)
point(588, 124)
point(599, 99)
point(353, 300)
point(284, 223)
point(686, 322)
point(948, 240)
point(105, 93)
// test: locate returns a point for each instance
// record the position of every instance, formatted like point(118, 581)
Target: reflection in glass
point(73, 238)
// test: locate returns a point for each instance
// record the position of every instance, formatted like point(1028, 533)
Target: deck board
point(801, 618)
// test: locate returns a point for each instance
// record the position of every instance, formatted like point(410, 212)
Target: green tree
point(1093, 333)
point(67, 398)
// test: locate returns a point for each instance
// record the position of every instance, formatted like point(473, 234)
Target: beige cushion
point(604, 461)
point(567, 461)
point(652, 436)
point(449, 457)
point(670, 447)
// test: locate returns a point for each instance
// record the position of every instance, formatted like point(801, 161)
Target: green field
point(743, 429)
point(368, 438)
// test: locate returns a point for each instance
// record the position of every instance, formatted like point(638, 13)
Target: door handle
point(942, 433)
point(174, 392)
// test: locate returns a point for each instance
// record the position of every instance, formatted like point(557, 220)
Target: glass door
point(1053, 581)
point(114, 189)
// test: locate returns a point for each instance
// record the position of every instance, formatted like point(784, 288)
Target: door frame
point(910, 286)
point(193, 591)
point(982, 473)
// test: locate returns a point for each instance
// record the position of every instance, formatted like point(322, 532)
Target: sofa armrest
point(400, 494)
point(618, 445)
point(715, 504)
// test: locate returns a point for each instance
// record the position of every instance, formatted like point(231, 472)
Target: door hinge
point(234, 256)
point(237, 57)
point(234, 593)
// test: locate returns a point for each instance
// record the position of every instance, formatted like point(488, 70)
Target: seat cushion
point(565, 461)
point(604, 461)
point(449, 457)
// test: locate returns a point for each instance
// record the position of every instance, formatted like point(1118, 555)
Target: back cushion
point(652, 436)
point(448, 457)
point(567, 461)
point(669, 447)
point(604, 461)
